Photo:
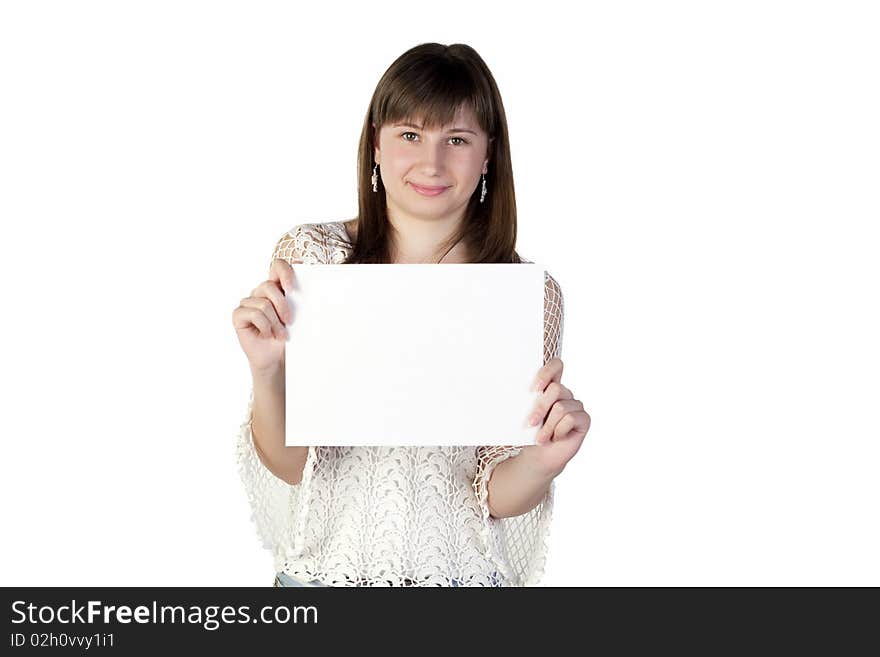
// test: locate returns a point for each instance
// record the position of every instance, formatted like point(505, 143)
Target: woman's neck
point(419, 242)
point(416, 241)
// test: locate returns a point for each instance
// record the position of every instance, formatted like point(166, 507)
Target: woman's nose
point(433, 155)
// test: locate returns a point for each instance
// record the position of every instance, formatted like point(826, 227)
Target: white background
point(701, 179)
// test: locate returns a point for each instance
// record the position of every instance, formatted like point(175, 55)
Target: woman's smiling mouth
point(428, 191)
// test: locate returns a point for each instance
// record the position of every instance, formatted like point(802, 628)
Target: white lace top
point(393, 515)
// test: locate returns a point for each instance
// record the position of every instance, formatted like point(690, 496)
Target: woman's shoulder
point(314, 242)
point(336, 230)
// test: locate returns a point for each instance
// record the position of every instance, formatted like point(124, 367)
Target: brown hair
point(432, 82)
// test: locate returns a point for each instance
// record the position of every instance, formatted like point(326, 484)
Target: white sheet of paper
point(414, 354)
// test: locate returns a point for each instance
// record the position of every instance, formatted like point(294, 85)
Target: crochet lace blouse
point(394, 515)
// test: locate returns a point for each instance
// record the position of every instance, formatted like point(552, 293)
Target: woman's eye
point(462, 140)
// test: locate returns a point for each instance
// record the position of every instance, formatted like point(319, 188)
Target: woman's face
point(412, 160)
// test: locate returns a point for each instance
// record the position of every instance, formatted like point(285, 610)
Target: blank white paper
point(414, 354)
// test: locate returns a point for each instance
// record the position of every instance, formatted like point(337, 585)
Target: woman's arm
point(267, 424)
point(267, 428)
point(517, 485)
point(525, 478)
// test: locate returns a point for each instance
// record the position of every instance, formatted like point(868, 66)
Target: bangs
point(434, 90)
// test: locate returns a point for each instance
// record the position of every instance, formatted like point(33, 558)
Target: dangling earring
point(375, 179)
point(483, 193)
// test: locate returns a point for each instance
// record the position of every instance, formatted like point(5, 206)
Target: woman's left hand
point(565, 423)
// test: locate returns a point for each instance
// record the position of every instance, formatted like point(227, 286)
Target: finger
point(245, 317)
point(562, 429)
point(281, 272)
point(554, 392)
point(561, 426)
point(573, 424)
point(265, 308)
point(559, 410)
point(272, 291)
point(552, 371)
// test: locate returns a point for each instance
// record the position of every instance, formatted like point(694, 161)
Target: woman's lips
point(428, 191)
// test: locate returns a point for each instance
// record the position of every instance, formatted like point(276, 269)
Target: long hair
point(433, 81)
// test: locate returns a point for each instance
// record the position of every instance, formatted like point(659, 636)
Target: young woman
point(435, 185)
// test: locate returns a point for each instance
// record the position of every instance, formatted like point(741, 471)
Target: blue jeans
point(283, 579)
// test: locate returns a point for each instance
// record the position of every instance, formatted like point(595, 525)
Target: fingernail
point(533, 421)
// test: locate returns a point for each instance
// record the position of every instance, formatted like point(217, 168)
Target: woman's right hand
point(260, 319)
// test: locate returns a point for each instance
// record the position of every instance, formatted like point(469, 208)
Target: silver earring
point(375, 179)
point(483, 193)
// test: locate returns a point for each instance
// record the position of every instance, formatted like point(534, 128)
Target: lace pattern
point(390, 515)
